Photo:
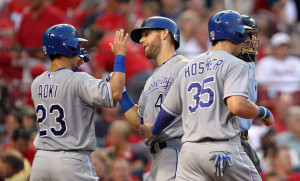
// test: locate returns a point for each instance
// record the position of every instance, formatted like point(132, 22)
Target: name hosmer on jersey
point(201, 67)
point(48, 91)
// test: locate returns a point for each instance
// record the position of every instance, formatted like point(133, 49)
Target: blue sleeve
point(163, 120)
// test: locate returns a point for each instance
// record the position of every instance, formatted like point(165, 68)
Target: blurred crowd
point(121, 155)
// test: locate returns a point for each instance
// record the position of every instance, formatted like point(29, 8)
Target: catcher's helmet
point(249, 49)
point(157, 22)
point(227, 25)
point(62, 39)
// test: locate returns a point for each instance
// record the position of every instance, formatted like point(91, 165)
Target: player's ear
point(164, 34)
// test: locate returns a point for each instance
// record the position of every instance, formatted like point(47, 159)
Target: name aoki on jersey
point(201, 67)
point(48, 91)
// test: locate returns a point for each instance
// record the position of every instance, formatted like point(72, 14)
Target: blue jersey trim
point(169, 111)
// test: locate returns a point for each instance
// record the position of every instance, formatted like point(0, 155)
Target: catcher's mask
point(249, 48)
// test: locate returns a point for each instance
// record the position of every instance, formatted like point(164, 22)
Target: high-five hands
point(119, 46)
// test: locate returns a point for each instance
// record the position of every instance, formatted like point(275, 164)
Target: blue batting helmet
point(157, 22)
point(62, 39)
point(227, 25)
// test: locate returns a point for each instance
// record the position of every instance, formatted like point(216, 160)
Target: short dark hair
point(21, 133)
point(215, 42)
point(55, 56)
point(14, 158)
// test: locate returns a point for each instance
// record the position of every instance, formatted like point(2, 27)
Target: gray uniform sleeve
point(236, 81)
point(173, 102)
point(95, 92)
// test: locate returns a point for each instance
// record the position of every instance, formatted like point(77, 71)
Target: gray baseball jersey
point(200, 91)
point(65, 102)
point(155, 91)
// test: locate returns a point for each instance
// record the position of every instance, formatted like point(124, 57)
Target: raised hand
point(119, 46)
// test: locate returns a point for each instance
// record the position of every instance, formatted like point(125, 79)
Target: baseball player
point(64, 102)
point(210, 92)
point(248, 54)
point(160, 38)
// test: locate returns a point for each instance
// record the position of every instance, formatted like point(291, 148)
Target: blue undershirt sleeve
point(163, 120)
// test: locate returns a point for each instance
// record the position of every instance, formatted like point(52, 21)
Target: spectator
point(121, 170)
point(148, 9)
point(291, 137)
point(9, 71)
point(102, 163)
point(201, 35)
point(66, 5)
point(36, 18)
point(198, 6)
point(22, 175)
point(12, 122)
point(118, 137)
point(35, 71)
point(282, 164)
point(267, 150)
point(81, 14)
point(187, 23)
point(29, 121)
point(117, 14)
point(272, 177)
point(11, 162)
point(171, 9)
point(280, 71)
point(102, 122)
point(281, 106)
point(21, 142)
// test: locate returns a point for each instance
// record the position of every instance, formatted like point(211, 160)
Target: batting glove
point(221, 163)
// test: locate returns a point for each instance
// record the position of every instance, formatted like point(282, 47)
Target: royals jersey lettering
point(62, 125)
point(203, 85)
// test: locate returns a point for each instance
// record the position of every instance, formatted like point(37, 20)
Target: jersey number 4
point(59, 119)
point(201, 90)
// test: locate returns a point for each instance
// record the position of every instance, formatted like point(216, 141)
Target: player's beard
point(154, 48)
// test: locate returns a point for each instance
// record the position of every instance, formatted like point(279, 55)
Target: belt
point(244, 135)
point(210, 140)
point(158, 146)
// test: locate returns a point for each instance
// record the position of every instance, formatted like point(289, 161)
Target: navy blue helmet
point(63, 39)
point(227, 25)
point(157, 22)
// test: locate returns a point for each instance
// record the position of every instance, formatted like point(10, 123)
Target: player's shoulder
point(233, 60)
point(40, 77)
point(180, 60)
